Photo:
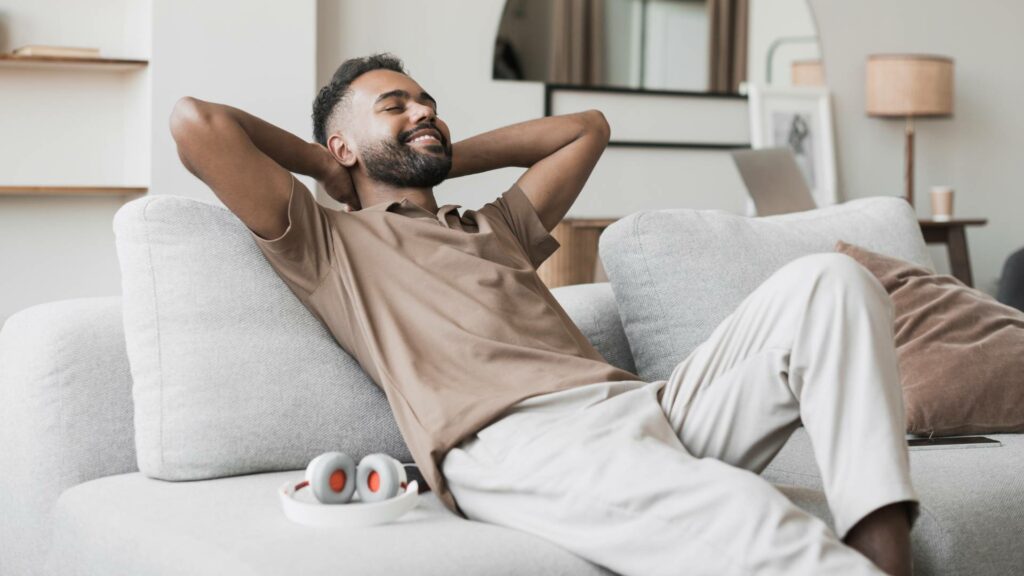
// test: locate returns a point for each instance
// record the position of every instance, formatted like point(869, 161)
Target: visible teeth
point(421, 138)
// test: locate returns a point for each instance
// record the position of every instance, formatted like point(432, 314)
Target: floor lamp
point(909, 86)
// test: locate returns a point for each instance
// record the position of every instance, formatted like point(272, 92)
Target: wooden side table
point(576, 261)
point(953, 234)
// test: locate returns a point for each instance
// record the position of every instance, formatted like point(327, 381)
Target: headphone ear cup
point(314, 463)
point(331, 477)
point(380, 477)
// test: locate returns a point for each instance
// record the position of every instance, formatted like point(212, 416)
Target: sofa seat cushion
point(972, 503)
point(132, 524)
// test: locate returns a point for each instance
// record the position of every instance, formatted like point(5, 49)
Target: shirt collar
point(410, 208)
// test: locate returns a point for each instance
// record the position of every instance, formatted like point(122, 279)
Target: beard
point(392, 162)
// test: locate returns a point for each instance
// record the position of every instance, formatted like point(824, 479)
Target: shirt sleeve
point(303, 255)
point(519, 215)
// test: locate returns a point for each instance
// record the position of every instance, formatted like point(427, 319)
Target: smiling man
point(512, 416)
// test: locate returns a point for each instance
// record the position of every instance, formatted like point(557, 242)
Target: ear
point(341, 151)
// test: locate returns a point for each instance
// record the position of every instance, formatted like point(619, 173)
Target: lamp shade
point(909, 85)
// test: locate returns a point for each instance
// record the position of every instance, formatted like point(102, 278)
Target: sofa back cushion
point(677, 274)
point(231, 373)
point(593, 310)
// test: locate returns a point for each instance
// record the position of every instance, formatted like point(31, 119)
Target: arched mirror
point(679, 45)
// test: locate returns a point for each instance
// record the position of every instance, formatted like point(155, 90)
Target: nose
point(422, 112)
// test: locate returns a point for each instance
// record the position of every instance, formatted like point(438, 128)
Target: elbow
point(187, 111)
point(599, 123)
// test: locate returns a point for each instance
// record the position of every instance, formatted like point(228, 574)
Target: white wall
point(68, 128)
point(257, 55)
point(91, 128)
point(978, 151)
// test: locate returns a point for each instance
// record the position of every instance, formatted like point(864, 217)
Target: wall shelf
point(72, 190)
point(60, 62)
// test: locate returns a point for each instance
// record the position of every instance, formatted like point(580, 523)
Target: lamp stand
point(908, 161)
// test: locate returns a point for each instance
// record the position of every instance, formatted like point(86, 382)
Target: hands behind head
point(337, 182)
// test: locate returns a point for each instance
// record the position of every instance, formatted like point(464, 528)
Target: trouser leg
point(813, 344)
point(606, 477)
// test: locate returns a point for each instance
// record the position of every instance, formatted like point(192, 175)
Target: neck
point(372, 192)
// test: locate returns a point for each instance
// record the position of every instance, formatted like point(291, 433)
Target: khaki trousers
point(662, 477)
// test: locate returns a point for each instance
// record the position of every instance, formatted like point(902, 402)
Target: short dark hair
point(337, 89)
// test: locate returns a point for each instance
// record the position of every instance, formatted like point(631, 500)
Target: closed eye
point(399, 108)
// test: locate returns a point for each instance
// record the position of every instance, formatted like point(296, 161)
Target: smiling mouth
point(426, 139)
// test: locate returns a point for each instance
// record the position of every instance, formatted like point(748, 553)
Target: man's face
point(398, 136)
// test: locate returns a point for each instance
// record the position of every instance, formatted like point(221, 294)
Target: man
point(491, 382)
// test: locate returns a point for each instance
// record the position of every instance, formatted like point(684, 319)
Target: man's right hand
point(337, 181)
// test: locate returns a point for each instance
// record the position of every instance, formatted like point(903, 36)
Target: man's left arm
point(560, 152)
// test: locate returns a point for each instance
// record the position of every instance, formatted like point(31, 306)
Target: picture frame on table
point(800, 118)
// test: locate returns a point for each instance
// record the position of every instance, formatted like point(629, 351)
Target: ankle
point(884, 537)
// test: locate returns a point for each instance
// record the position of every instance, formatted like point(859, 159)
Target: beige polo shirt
point(445, 312)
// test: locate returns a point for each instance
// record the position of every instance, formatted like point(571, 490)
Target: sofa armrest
point(65, 415)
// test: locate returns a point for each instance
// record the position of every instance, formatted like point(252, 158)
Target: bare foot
point(884, 537)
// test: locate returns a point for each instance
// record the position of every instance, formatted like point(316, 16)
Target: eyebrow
point(403, 94)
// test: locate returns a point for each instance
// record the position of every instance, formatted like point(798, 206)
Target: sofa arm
point(65, 415)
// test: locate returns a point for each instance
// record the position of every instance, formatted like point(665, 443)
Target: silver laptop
point(773, 180)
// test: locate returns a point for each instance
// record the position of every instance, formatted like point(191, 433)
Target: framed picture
point(800, 118)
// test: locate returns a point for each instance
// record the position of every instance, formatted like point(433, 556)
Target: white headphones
point(384, 492)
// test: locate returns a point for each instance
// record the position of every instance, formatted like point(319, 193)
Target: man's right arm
point(247, 162)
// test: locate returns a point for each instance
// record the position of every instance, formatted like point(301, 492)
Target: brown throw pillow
point(961, 352)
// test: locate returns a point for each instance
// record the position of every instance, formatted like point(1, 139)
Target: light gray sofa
point(72, 499)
